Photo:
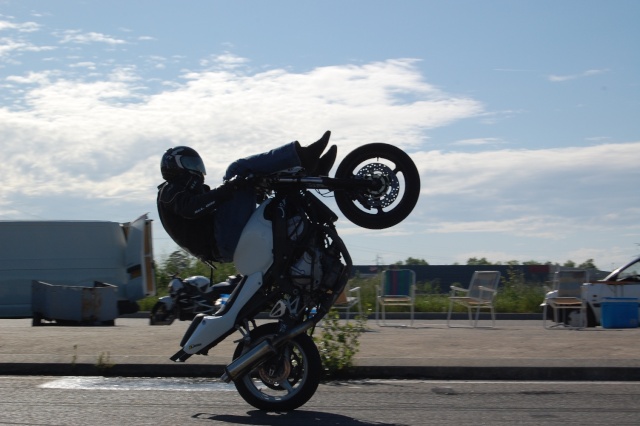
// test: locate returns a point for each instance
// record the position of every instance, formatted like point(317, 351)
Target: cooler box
point(619, 312)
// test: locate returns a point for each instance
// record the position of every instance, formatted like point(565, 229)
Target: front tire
point(284, 381)
point(396, 194)
point(160, 315)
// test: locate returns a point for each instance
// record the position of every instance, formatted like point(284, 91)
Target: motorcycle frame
point(258, 290)
point(322, 182)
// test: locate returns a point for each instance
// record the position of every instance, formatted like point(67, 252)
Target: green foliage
point(588, 264)
point(146, 304)
point(104, 363)
point(517, 296)
point(338, 343)
point(432, 303)
point(476, 261)
point(412, 261)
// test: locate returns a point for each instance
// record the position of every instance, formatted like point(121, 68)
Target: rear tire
point(286, 380)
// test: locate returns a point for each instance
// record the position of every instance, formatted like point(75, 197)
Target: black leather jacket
point(187, 211)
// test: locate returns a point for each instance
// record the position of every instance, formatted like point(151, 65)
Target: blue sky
point(521, 115)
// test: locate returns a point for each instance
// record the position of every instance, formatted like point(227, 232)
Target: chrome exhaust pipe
point(244, 362)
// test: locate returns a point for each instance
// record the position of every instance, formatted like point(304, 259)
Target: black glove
point(239, 182)
point(223, 192)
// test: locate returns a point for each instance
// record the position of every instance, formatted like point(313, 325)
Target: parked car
point(624, 282)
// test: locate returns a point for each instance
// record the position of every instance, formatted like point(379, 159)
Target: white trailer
point(74, 253)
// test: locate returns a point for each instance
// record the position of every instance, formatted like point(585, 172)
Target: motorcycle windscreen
point(139, 259)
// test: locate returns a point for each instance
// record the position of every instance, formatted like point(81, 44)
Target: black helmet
point(180, 161)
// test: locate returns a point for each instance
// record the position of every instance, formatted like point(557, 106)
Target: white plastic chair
point(349, 298)
point(567, 285)
point(481, 294)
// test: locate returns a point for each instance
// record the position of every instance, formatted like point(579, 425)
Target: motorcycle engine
point(308, 269)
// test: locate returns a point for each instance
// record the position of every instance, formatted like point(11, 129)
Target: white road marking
point(135, 384)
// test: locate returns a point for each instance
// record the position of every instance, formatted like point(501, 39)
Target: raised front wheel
point(393, 191)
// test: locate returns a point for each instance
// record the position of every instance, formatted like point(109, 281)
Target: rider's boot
point(309, 155)
point(325, 163)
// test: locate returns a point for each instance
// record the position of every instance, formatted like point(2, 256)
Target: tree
point(182, 263)
point(588, 264)
point(412, 261)
point(476, 261)
point(570, 264)
point(176, 262)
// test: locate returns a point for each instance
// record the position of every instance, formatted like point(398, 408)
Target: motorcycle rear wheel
point(393, 200)
point(286, 380)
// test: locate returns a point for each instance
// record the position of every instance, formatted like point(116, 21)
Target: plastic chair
point(567, 285)
point(397, 288)
point(349, 298)
point(480, 295)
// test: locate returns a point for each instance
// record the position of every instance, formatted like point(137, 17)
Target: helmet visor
point(193, 163)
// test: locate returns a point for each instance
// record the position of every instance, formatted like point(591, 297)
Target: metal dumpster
point(74, 305)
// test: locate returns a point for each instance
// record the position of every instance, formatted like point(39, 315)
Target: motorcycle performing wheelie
point(294, 265)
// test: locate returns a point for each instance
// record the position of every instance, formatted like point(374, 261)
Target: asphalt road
point(34, 400)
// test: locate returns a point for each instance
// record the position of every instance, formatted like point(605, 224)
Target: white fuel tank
point(255, 247)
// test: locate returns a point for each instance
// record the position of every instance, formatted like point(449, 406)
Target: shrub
point(338, 343)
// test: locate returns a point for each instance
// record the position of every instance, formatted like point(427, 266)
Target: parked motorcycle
point(189, 297)
point(294, 265)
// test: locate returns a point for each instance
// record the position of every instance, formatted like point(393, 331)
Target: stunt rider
point(208, 222)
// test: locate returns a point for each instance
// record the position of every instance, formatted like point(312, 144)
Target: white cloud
point(560, 78)
point(103, 139)
point(10, 46)
point(226, 61)
point(96, 139)
point(88, 147)
point(15, 41)
point(79, 37)
point(23, 27)
point(85, 64)
point(545, 204)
